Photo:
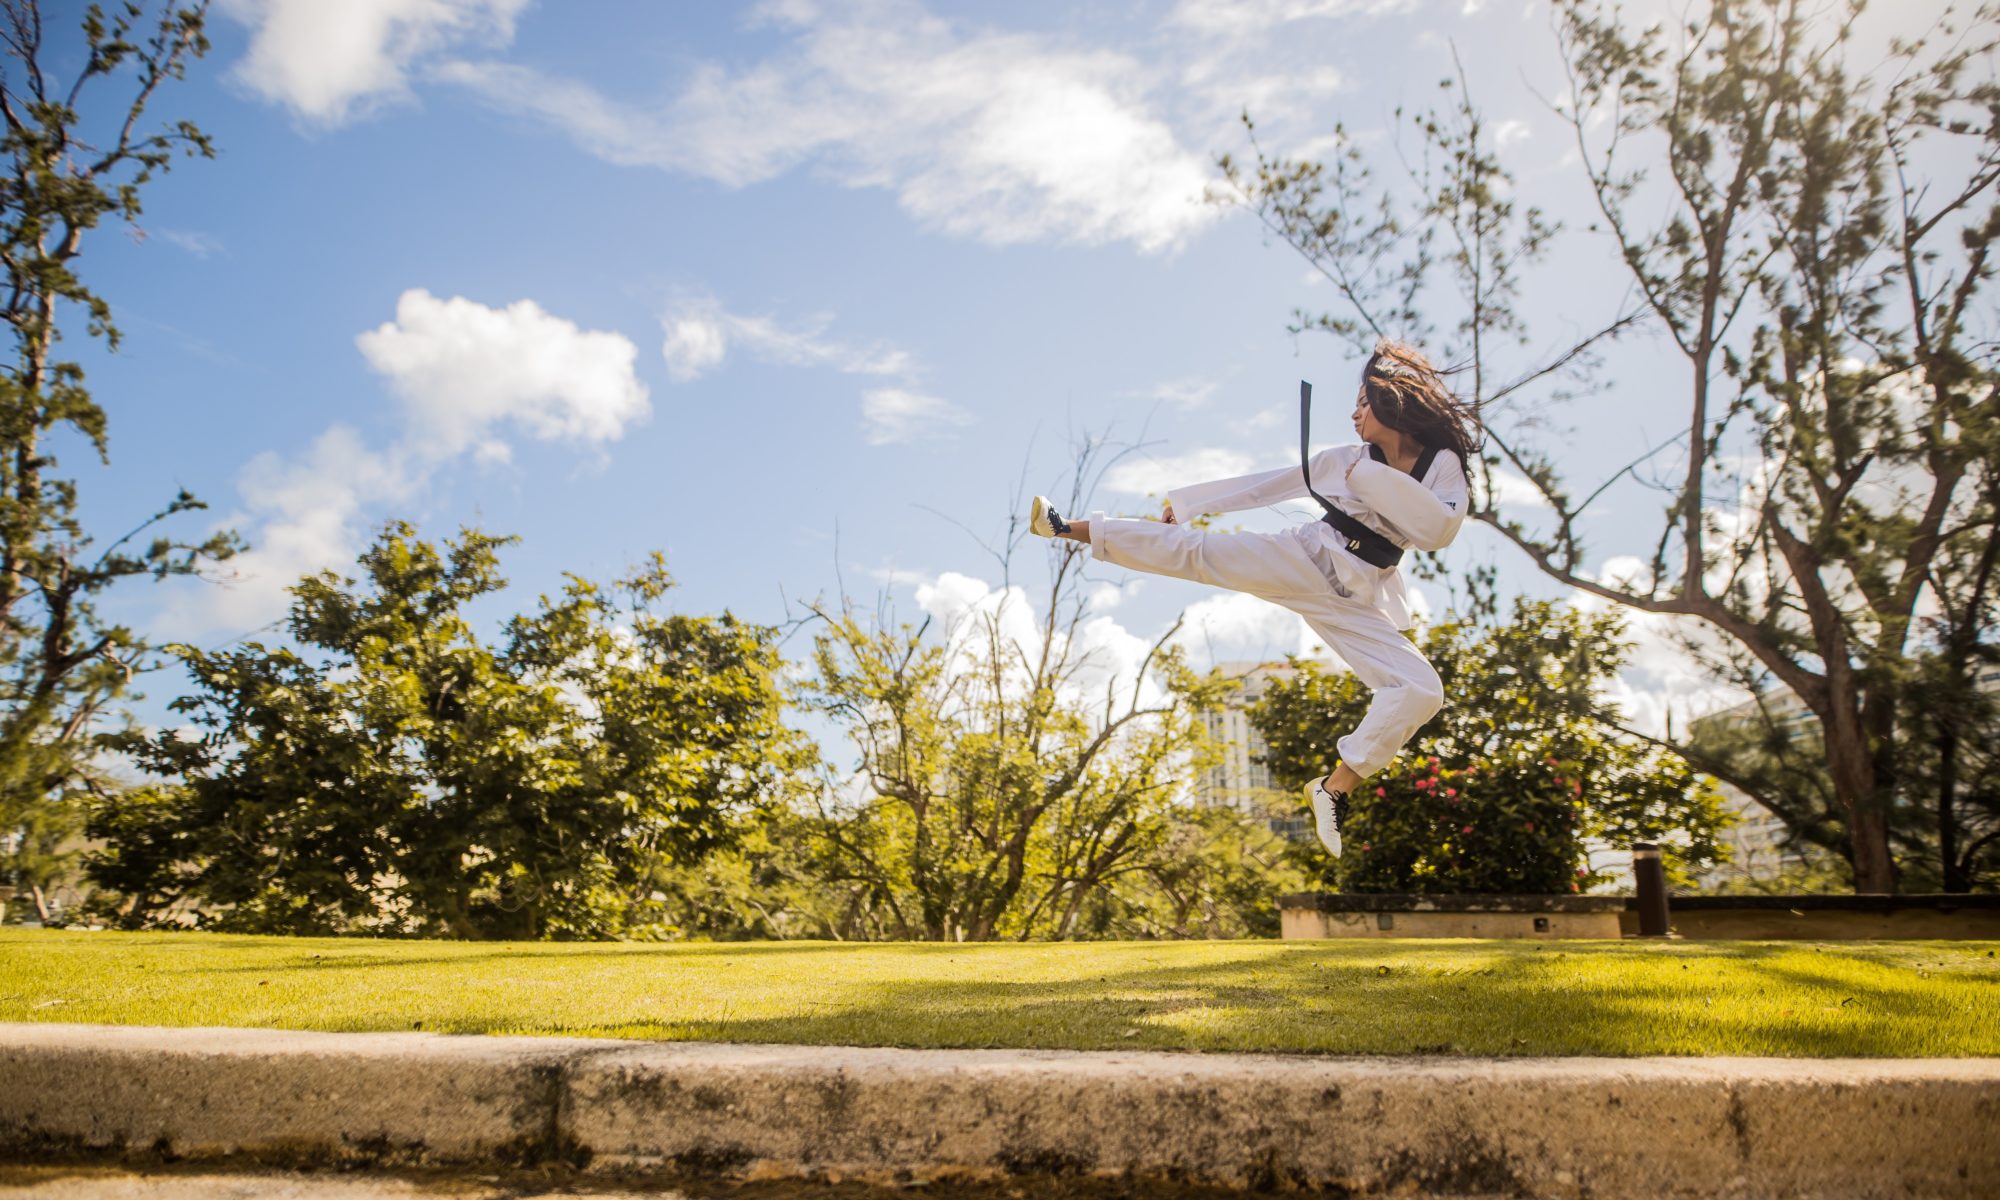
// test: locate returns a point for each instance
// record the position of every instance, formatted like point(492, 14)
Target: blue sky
point(790, 291)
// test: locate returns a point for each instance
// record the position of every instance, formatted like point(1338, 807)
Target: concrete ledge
point(1455, 902)
point(1313, 915)
point(1542, 1127)
point(384, 1097)
point(1833, 918)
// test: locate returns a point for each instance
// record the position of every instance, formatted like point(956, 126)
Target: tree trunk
point(1947, 821)
point(1855, 783)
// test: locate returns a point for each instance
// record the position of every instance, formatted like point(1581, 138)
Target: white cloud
point(1183, 393)
point(1659, 679)
point(700, 334)
point(892, 415)
point(1252, 18)
point(1103, 597)
point(199, 244)
point(1003, 138)
point(328, 59)
point(1511, 489)
point(1102, 658)
point(303, 516)
point(890, 575)
point(1235, 627)
point(463, 369)
point(468, 377)
point(1150, 476)
point(695, 345)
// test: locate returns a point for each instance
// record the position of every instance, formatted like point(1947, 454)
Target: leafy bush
point(1501, 792)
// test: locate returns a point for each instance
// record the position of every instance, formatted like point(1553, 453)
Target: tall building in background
point(1242, 781)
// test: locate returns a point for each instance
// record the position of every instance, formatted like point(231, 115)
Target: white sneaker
point(1329, 809)
point(1044, 520)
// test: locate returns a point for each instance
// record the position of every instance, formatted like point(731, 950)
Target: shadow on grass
point(1391, 1001)
point(1352, 997)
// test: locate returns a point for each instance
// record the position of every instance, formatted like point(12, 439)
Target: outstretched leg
point(1270, 566)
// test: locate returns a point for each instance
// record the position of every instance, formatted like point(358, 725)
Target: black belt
point(1368, 546)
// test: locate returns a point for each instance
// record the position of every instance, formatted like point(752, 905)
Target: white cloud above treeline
point(1001, 137)
point(470, 377)
point(997, 135)
point(330, 60)
point(700, 335)
point(466, 372)
point(892, 415)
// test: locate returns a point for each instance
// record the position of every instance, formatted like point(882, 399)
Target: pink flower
point(1467, 829)
point(1425, 785)
point(1381, 792)
point(1578, 786)
point(1451, 791)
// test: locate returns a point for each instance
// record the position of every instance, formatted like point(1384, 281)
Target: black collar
point(1421, 468)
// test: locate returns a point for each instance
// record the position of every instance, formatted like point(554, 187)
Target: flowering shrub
point(1509, 825)
point(1501, 791)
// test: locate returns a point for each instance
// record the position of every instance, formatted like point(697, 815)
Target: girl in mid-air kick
point(1404, 486)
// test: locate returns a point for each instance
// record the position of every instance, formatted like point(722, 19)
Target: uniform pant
point(1405, 688)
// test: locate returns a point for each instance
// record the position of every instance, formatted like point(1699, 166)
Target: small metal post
point(1649, 876)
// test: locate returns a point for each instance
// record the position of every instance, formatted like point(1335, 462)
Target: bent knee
point(1426, 697)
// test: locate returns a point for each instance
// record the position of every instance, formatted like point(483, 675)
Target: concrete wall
point(1828, 925)
point(1749, 918)
point(1572, 1129)
point(1307, 923)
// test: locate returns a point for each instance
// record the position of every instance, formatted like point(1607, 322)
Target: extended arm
point(1253, 491)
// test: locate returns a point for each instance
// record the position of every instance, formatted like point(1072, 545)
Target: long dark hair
point(1408, 394)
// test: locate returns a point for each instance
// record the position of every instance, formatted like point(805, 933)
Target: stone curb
point(1541, 1127)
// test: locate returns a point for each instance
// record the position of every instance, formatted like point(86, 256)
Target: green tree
point(996, 800)
point(1952, 713)
point(1811, 242)
point(398, 773)
point(1502, 790)
point(1007, 777)
point(62, 668)
point(1218, 873)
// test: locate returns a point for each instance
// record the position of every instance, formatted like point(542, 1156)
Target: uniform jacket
point(1421, 513)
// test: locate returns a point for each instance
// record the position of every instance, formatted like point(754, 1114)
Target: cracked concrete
point(1541, 1127)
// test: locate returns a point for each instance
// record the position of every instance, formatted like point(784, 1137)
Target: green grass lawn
point(1798, 999)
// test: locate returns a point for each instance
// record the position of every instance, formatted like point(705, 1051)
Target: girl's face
point(1365, 424)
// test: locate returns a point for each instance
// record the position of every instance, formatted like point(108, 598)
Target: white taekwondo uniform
point(1358, 609)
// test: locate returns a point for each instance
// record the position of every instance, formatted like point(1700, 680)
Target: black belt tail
point(1369, 546)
